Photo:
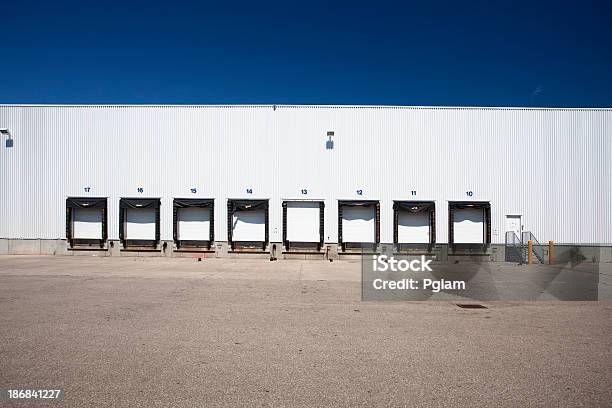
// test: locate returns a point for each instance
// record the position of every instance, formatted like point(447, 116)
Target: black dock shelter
point(205, 203)
point(415, 207)
point(296, 245)
point(342, 204)
point(73, 204)
point(241, 205)
point(126, 204)
point(454, 206)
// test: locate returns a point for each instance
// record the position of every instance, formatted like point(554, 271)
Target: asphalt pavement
point(167, 332)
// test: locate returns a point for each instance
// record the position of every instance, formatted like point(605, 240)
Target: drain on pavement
point(471, 306)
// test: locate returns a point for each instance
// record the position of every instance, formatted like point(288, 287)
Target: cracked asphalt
point(168, 332)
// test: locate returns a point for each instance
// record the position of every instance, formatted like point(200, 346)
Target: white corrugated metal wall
point(550, 165)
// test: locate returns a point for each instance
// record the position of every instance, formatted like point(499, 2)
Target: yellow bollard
point(529, 252)
point(551, 252)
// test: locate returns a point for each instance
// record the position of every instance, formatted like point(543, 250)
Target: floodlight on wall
point(329, 144)
point(9, 140)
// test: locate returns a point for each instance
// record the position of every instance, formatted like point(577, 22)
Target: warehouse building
point(304, 181)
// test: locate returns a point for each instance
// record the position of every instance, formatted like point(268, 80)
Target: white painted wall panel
point(303, 221)
point(249, 226)
point(469, 226)
point(413, 228)
point(140, 223)
point(87, 223)
point(547, 164)
point(193, 224)
point(358, 224)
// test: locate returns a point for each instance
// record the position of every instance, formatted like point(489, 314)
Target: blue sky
point(377, 52)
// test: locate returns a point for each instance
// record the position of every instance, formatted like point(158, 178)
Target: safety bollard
point(551, 252)
point(529, 252)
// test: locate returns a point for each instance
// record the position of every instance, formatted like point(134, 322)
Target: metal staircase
point(514, 248)
point(536, 247)
point(517, 248)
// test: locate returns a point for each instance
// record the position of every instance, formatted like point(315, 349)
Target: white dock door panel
point(358, 224)
point(303, 221)
point(193, 224)
point(249, 226)
point(87, 223)
point(413, 228)
point(140, 223)
point(469, 226)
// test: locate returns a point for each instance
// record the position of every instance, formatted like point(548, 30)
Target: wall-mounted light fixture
point(5, 132)
point(329, 145)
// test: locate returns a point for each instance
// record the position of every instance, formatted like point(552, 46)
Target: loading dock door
point(87, 223)
point(358, 224)
point(303, 224)
point(139, 221)
point(413, 228)
point(140, 224)
point(469, 224)
point(249, 226)
point(193, 224)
